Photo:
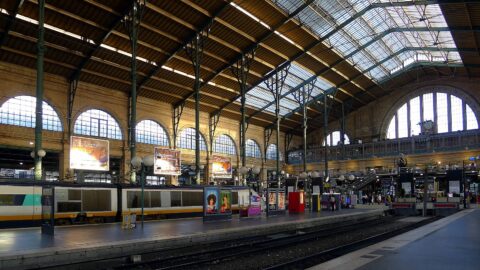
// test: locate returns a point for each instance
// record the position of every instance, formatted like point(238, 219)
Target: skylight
point(385, 39)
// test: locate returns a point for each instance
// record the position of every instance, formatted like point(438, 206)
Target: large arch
point(20, 111)
point(451, 108)
point(451, 90)
point(97, 123)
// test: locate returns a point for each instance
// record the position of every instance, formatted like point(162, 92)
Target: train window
point(96, 200)
point(234, 197)
point(11, 199)
point(69, 207)
point(74, 194)
point(192, 198)
point(134, 199)
point(155, 200)
point(176, 198)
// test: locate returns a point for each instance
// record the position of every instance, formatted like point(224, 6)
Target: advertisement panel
point(211, 200)
point(272, 199)
point(221, 167)
point(255, 208)
point(89, 154)
point(226, 201)
point(167, 162)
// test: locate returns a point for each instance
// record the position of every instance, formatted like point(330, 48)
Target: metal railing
point(454, 141)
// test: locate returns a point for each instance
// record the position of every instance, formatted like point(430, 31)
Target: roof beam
point(204, 27)
point(250, 49)
point(335, 30)
point(76, 74)
point(13, 15)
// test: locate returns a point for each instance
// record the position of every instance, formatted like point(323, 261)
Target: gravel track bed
point(276, 256)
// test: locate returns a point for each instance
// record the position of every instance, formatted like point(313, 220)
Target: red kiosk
point(296, 202)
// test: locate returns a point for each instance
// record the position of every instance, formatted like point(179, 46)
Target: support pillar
point(132, 23)
point(39, 92)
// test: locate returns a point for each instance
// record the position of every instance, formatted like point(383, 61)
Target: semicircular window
point(224, 144)
point(334, 138)
point(186, 140)
point(20, 111)
point(252, 149)
point(151, 132)
point(97, 123)
point(435, 112)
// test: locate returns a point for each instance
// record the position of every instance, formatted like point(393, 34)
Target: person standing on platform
point(332, 202)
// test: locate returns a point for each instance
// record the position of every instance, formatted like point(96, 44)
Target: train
point(21, 202)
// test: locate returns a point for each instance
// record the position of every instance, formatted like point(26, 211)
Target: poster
point(89, 154)
point(221, 167)
point(167, 162)
point(272, 200)
point(281, 200)
point(225, 201)
point(211, 200)
point(255, 208)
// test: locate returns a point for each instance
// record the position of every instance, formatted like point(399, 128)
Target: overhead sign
point(167, 162)
point(221, 167)
point(89, 154)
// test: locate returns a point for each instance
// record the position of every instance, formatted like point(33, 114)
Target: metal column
point(325, 134)
point(39, 91)
point(241, 72)
point(132, 22)
point(195, 51)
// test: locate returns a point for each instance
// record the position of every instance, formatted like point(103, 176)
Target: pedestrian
point(332, 202)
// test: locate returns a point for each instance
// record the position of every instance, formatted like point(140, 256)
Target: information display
point(89, 154)
point(167, 162)
point(221, 167)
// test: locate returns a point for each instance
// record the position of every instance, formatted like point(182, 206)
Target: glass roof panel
point(322, 17)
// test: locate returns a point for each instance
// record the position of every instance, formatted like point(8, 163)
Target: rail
point(421, 144)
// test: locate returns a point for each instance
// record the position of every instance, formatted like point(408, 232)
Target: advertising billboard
point(211, 200)
point(221, 167)
point(167, 162)
point(225, 201)
point(89, 154)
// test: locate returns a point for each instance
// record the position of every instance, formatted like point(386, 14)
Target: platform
point(25, 248)
point(450, 243)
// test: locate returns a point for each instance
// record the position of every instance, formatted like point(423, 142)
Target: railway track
point(224, 254)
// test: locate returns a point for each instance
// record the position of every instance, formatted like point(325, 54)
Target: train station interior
point(165, 120)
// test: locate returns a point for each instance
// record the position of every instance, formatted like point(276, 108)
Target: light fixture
point(31, 143)
point(274, 173)
point(148, 161)
point(41, 153)
point(351, 177)
point(315, 174)
point(202, 167)
point(303, 175)
point(341, 177)
point(136, 162)
point(256, 169)
point(32, 154)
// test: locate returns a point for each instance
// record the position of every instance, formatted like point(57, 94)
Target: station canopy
point(353, 51)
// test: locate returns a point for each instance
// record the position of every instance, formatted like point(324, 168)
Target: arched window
point(252, 149)
point(334, 138)
point(97, 123)
point(272, 152)
point(224, 144)
point(447, 112)
point(20, 111)
point(150, 132)
point(187, 140)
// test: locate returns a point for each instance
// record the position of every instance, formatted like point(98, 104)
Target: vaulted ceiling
point(354, 51)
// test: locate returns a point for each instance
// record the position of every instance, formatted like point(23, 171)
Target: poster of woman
point(211, 201)
point(226, 201)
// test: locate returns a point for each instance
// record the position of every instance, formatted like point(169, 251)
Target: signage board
point(89, 154)
point(221, 167)
point(167, 161)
